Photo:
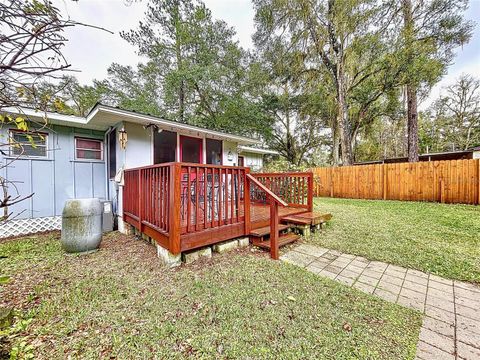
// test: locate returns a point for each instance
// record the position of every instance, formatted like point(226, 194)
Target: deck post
point(310, 192)
point(274, 232)
point(246, 202)
point(174, 208)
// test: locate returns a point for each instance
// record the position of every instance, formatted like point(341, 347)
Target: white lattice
point(30, 226)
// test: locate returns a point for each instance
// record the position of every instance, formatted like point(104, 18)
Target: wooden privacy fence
point(452, 181)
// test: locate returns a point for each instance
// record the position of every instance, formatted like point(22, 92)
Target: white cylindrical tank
point(81, 225)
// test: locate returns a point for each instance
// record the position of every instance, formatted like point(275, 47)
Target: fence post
point(442, 190)
point(332, 193)
point(385, 189)
point(478, 181)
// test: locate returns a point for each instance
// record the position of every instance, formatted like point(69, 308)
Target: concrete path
point(451, 325)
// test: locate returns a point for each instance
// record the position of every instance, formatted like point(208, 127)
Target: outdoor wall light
point(230, 155)
point(122, 138)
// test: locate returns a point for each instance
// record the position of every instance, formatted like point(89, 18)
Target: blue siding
point(56, 178)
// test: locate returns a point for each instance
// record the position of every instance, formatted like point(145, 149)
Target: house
point(472, 153)
point(254, 157)
point(81, 157)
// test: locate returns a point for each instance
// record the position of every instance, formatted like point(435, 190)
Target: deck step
point(282, 241)
point(308, 218)
point(263, 231)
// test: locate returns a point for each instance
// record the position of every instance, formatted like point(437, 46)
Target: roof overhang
point(102, 117)
point(248, 149)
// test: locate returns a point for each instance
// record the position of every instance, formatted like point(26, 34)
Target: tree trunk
point(412, 115)
point(335, 144)
point(412, 123)
point(342, 118)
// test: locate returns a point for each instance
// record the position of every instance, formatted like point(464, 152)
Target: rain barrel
point(81, 225)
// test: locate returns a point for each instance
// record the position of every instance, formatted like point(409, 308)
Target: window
point(28, 143)
point(112, 154)
point(191, 149)
point(164, 146)
point(214, 152)
point(88, 149)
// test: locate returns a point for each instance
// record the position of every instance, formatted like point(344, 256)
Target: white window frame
point(89, 139)
point(13, 142)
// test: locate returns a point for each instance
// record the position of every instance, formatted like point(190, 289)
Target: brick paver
point(451, 325)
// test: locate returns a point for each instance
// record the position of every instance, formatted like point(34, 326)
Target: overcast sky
point(92, 51)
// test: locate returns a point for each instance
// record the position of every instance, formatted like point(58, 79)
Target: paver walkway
point(451, 325)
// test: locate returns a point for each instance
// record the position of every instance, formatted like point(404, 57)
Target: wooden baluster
point(140, 200)
point(220, 193)
point(232, 196)
point(237, 196)
point(310, 192)
point(166, 199)
point(197, 207)
point(189, 203)
point(205, 209)
point(212, 202)
point(162, 197)
point(303, 191)
point(246, 201)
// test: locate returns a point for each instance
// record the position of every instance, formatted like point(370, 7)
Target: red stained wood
point(274, 232)
point(449, 181)
point(283, 240)
point(184, 206)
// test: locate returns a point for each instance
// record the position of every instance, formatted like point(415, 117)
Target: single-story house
point(83, 157)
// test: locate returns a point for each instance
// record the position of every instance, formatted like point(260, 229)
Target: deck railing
point(147, 202)
point(211, 196)
point(274, 202)
point(295, 188)
point(185, 206)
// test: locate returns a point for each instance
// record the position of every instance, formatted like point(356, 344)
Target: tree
point(200, 71)
point(295, 109)
point(453, 121)
point(431, 31)
point(343, 39)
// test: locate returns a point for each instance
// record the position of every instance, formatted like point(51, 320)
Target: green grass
point(118, 302)
point(438, 238)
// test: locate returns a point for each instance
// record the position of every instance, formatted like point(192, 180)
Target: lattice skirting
point(30, 226)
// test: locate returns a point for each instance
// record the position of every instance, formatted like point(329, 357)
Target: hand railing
point(295, 188)
point(275, 201)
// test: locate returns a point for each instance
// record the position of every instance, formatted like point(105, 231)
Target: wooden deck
point(260, 214)
point(185, 206)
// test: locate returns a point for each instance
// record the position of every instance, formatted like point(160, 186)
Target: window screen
point(29, 144)
point(164, 146)
point(191, 149)
point(214, 152)
point(89, 149)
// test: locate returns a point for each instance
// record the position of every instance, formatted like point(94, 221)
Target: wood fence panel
point(449, 181)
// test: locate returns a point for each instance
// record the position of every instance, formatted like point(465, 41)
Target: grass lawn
point(438, 238)
point(118, 302)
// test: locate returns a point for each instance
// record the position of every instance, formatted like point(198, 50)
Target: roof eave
point(149, 119)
